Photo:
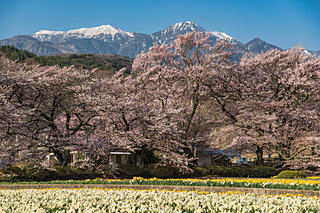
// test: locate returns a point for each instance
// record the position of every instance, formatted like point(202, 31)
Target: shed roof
point(120, 153)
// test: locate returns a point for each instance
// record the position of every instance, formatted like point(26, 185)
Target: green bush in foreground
point(291, 174)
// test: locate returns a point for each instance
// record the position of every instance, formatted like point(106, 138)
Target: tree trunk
point(259, 153)
point(195, 152)
point(63, 156)
point(281, 162)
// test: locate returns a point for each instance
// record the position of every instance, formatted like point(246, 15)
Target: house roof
point(119, 153)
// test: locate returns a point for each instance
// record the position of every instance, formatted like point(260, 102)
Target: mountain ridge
point(107, 39)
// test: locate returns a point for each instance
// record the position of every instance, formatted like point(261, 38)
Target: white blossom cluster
point(99, 200)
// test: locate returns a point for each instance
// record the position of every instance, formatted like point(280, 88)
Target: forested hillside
point(106, 64)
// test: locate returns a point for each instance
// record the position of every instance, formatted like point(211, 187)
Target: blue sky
point(284, 23)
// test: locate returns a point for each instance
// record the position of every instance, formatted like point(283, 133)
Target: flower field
point(296, 184)
point(105, 200)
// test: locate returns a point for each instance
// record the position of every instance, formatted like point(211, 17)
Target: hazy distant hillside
point(31, 44)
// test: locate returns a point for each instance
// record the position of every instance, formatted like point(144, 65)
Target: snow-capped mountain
point(104, 32)
point(107, 39)
point(170, 33)
point(104, 39)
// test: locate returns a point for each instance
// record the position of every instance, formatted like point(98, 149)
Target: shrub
point(163, 172)
point(202, 171)
point(32, 172)
point(221, 160)
point(24, 172)
point(130, 171)
point(291, 174)
point(236, 171)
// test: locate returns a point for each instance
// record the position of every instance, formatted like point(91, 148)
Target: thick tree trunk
point(195, 103)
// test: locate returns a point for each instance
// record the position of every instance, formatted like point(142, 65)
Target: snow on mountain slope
point(191, 26)
point(307, 53)
point(221, 35)
point(170, 33)
point(188, 25)
point(93, 32)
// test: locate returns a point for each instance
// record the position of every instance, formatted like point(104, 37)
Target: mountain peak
point(169, 34)
point(190, 23)
point(257, 46)
point(187, 25)
point(41, 32)
point(256, 40)
point(103, 29)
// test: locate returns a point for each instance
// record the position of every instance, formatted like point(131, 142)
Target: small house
point(118, 157)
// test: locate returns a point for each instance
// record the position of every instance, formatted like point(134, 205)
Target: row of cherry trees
point(281, 109)
point(170, 104)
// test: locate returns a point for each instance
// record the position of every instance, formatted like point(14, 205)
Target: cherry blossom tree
point(279, 105)
point(171, 82)
point(135, 124)
point(52, 116)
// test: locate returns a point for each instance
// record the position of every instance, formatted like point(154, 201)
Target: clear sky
point(284, 23)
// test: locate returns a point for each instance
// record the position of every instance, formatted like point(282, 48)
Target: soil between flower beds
point(257, 191)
